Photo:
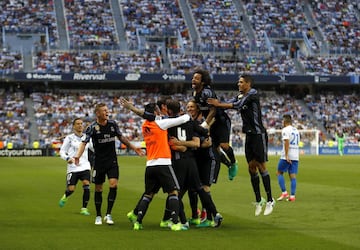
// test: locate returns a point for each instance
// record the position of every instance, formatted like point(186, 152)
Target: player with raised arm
point(103, 133)
point(221, 126)
point(256, 143)
point(159, 172)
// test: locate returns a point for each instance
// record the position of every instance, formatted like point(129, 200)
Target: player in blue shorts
point(289, 159)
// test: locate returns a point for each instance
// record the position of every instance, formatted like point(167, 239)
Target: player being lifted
point(216, 119)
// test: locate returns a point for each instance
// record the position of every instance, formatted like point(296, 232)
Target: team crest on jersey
point(97, 128)
point(112, 129)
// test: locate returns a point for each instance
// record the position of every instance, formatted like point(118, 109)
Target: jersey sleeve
point(91, 146)
point(117, 129)
point(172, 122)
point(285, 134)
point(88, 133)
point(65, 148)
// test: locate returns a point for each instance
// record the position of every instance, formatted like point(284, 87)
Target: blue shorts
point(284, 166)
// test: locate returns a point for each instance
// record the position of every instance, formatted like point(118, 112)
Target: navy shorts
point(99, 175)
point(220, 131)
point(73, 177)
point(187, 174)
point(256, 147)
point(160, 176)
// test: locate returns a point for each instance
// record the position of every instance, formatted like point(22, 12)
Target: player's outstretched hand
point(139, 151)
point(125, 103)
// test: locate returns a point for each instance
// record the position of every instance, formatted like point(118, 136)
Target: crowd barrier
point(348, 150)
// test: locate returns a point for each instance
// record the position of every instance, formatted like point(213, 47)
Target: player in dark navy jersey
point(184, 140)
point(221, 125)
point(206, 164)
point(103, 133)
point(256, 144)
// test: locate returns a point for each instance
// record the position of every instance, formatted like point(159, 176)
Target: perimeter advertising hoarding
point(353, 150)
point(166, 77)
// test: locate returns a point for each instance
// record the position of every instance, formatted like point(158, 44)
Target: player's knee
point(113, 183)
point(174, 192)
point(98, 188)
point(206, 189)
point(292, 176)
point(252, 167)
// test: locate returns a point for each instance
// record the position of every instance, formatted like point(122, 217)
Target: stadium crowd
point(14, 122)
point(338, 113)
point(54, 112)
point(29, 16)
point(97, 62)
point(153, 18)
point(339, 23)
point(91, 24)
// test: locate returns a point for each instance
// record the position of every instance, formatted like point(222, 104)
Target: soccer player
point(206, 164)
point(162, 104)
point(289, 159)
point(184, 142)
point(220, 128)
point(103, 133)
point(340, 138)
point(159, 172)
point(75, 173)
point(256, 143)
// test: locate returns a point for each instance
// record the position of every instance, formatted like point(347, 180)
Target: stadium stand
point(14, 123)
point(339, 113)
point(29, 16)
point(90, 24)
point(340, 24)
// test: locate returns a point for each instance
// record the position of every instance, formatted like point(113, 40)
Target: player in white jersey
point(289, 159)
point(74, 172)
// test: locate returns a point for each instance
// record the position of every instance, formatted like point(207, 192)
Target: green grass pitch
point(324, 216)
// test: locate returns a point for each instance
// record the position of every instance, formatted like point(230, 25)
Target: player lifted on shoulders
point(221, 123)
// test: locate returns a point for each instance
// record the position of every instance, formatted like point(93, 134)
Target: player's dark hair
point(287, 118)
point(205, 76)
point(173, 106)
point(248, 79)
point(150, 108)
point(163, 101)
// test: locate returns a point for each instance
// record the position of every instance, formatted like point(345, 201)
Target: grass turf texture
point(324, 216)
